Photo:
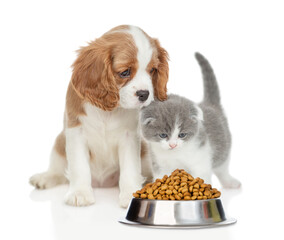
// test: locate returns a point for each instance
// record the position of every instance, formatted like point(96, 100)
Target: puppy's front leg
point(80, 191)
point(130, 178)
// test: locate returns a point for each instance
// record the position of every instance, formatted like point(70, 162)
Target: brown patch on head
point(119, 28)
point(160, 72)
point(124, 57)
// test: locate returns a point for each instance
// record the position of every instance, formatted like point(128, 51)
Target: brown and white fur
point(100, 140)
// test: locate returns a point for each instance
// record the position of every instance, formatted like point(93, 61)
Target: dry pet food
point(180, 185)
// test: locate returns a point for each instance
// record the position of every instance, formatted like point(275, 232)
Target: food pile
point(180, 185)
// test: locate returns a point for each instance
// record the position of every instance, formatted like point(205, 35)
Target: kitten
point(195, 137)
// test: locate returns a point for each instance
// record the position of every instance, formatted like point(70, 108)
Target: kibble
point(180, 185)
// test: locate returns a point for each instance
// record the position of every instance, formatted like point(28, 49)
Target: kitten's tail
point(211, 89)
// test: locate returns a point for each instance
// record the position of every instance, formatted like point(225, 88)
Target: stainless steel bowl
point(167, 213)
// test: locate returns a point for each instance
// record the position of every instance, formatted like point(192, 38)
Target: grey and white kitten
point(194, 137)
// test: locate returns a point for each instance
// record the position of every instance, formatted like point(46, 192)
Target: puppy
point(113, 77)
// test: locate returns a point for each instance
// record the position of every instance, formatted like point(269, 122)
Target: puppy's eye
point(163, 135)
point(182, 135)
point(125, 74)
point(153, 70)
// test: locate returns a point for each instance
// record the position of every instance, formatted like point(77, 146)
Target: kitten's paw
point(232, 183)
point(47, 180)
point(80, 197)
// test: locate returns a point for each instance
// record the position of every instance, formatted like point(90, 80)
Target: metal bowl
point(167, 213)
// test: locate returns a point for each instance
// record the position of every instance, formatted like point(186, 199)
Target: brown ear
point(160, 77)
point(93, 78)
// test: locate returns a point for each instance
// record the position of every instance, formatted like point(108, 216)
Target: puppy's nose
point(142, 95)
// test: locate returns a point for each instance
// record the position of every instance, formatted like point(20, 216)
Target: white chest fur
point(191, 157)
point(103, 131)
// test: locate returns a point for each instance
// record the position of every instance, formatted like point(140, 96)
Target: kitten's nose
point(173, 145)
point(142, 95)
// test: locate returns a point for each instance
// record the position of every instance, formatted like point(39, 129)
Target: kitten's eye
point(163, 135)
point(125, 74)
point(182, 135)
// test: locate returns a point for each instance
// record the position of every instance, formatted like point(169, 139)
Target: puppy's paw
point(127, 188)
point(232, 183)
point(80, 197)
point(47, 180)
point(124, 199)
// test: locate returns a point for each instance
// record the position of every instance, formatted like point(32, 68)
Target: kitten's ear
point(199, 116)
point(148, 121)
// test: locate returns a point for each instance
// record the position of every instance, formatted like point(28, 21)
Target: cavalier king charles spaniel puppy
point(113, 77)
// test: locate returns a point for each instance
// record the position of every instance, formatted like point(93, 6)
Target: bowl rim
point(157, 200)
point(227, 222)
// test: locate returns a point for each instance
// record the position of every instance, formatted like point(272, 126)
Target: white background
point(244, 42)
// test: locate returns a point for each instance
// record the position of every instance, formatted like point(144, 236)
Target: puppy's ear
point(160, 77)
point(92, 76)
